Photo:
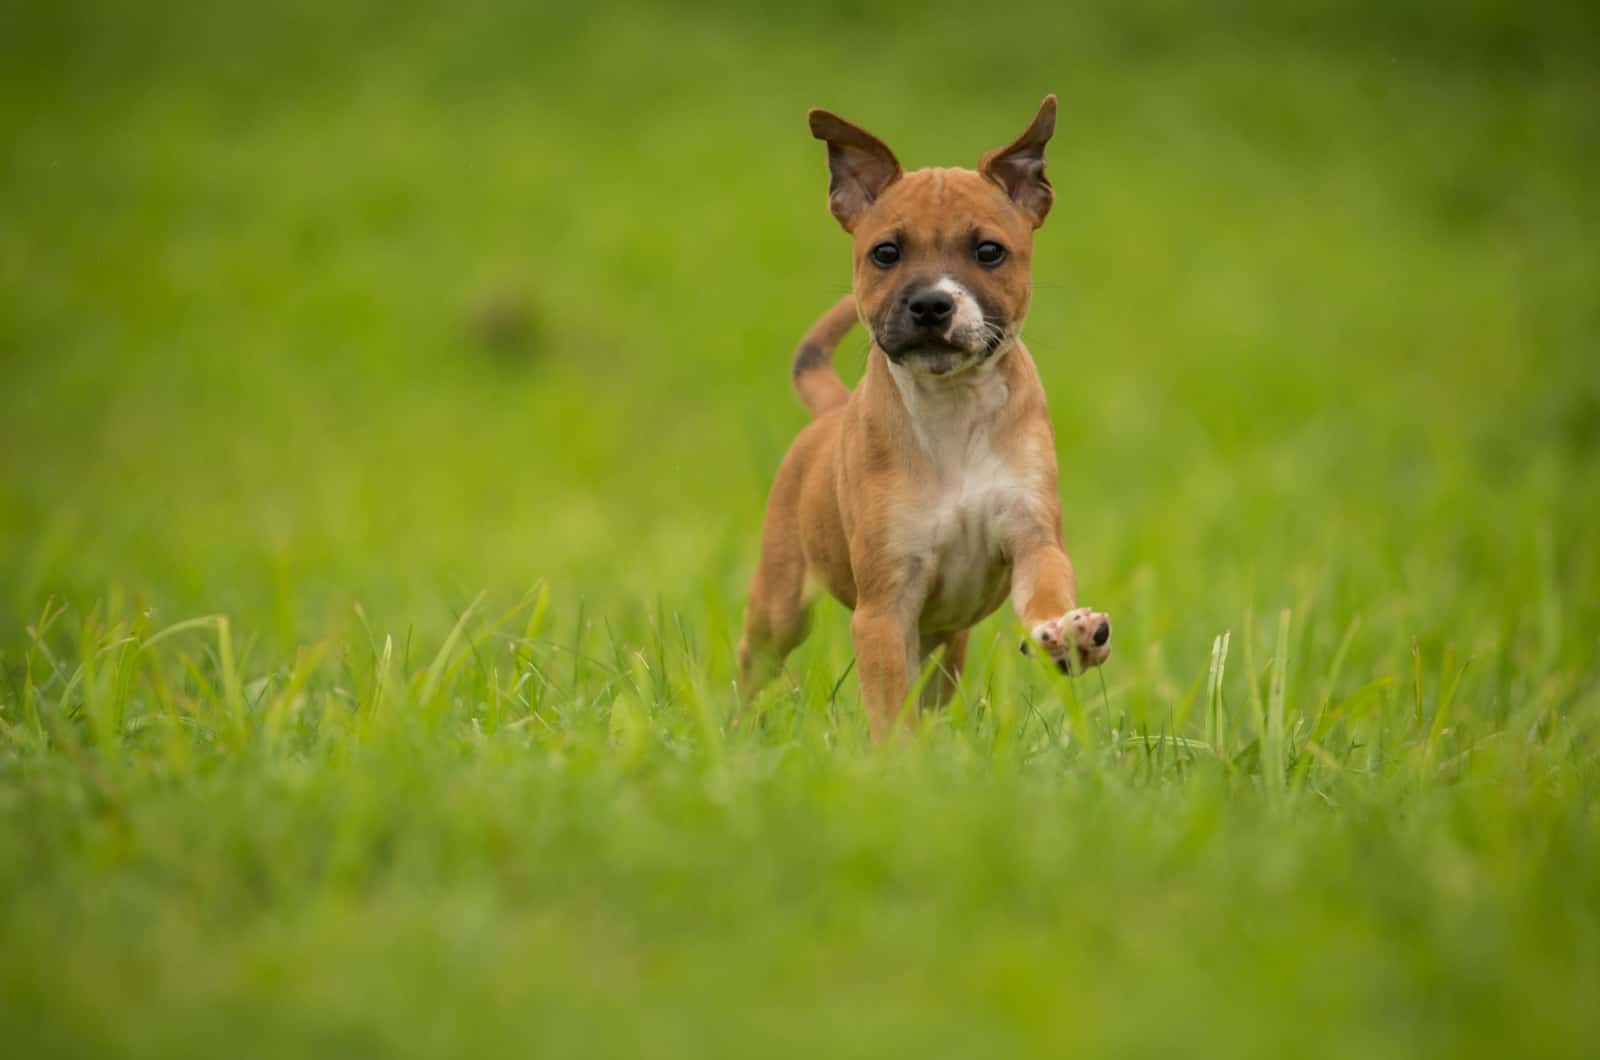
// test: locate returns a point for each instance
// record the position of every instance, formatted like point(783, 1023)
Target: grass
point(389, 400)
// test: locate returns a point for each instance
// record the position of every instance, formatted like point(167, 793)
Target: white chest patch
point(958, 536)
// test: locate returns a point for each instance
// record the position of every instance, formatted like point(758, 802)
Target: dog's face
point(942, 256)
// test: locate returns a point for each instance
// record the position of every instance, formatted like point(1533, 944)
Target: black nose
point(931, 308)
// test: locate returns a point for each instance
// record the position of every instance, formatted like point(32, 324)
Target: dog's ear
point(1019, 168)
point(860, 166)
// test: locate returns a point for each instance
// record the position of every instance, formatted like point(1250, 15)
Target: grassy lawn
point(388, 395)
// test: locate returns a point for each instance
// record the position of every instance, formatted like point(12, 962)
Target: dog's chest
point(966, 539)
point(958, 532)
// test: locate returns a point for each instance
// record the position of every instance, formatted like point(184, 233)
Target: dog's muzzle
point(939, 327)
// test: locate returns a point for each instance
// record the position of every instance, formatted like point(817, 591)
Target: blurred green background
point(1315, 275)
point(305, 306)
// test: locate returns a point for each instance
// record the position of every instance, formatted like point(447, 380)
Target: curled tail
point(815, 380)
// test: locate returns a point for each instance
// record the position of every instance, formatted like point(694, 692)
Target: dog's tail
point(818, 385)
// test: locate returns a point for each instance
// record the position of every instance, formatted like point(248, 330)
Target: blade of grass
point(1216, 723)
point(232, 689)
point(1323, 719)
point(1258, 716)
point(1441, 712)
point(434, 674)
point(1274, 765)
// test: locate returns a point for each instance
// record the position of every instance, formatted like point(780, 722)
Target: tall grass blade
point(1216, 721)
point(434, 674)
point(1441, 711)
point(1274, 762)
point(1323, 719)
point(232, 690)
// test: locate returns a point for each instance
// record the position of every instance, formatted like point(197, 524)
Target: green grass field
point(388, 397)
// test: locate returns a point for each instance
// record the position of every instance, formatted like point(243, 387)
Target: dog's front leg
point(884, 658)
point(1044, 592)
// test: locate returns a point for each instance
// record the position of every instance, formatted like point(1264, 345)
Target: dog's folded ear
point(1019, 167)
point(860, 166)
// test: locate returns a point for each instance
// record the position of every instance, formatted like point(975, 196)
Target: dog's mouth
point(942, 356)
point(935, 358)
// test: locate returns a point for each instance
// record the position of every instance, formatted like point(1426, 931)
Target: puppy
point(927, 495)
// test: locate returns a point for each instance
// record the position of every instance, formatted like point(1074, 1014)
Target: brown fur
point(927, 495)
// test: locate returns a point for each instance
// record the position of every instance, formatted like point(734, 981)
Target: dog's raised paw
point(1077, 640)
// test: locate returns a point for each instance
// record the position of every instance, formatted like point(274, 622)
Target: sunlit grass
point(552, 836)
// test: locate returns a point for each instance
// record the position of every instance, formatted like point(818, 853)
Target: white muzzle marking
point(966, 329)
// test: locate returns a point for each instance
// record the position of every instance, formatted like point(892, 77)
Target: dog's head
point(942, 256)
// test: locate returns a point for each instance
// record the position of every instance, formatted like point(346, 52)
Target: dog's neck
point(949, 413)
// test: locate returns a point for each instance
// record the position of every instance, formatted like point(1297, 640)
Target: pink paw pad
point(1077, 640)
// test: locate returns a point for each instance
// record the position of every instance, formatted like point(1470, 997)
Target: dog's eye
point(989, 253)
point(884, 255)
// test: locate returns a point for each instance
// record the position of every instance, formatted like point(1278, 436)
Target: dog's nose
point(931, 308)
